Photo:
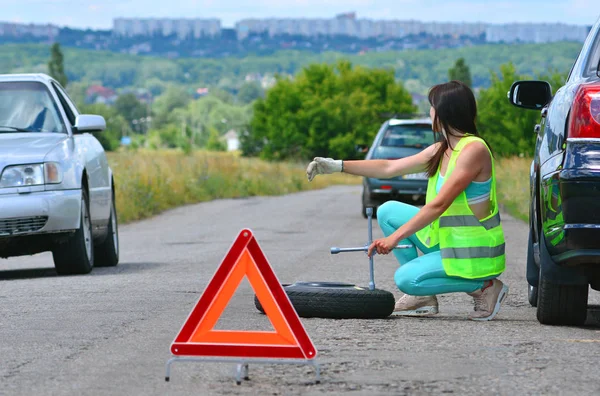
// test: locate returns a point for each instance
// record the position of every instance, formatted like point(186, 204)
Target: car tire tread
point(106, 253)
point(70, 257)
point(338, 303)
point(560, 304)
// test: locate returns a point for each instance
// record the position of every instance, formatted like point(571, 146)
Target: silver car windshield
point(417, 136)
point(28, 107)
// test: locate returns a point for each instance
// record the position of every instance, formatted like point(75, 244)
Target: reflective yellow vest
point(470, 248)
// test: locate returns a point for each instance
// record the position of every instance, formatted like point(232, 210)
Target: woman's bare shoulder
point(476, 147)
point(475, 152)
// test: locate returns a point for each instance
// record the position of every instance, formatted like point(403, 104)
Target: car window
point(68, 107)
point(592, 66)
point(28, 106)
point(68, 99)
point(417, 136)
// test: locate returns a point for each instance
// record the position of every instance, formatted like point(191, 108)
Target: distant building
point(9, 29)
point(142, 48)
point(267, 81)
point(182, 28)
point(232, 140)
point(536, 33)
point(100, 94)
point(346, 24)
point(200, 92)
point(253, 77)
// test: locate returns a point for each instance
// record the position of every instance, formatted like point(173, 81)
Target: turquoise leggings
point(424, 275)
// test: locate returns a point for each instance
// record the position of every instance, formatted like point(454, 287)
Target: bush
point(325, 111)
point(149, 182)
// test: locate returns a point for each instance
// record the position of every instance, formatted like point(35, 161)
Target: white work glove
point(323, 166)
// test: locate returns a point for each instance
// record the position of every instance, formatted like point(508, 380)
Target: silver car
point(398, 138)
point(56, 188)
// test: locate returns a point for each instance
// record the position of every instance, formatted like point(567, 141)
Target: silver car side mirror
point(89, 123)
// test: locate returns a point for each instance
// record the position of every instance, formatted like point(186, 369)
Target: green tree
point(249, 92)
point(208, 113)
point(325, 111)
point(156, 86)
point(116, 125)
point(170, 136)
point(507, 128)
point(430, 66)
point(461, 72)
point(56, 67)
point(77, 91)
point(215, 143)
point(222, 94)
point(131, 108)
point(173, 98)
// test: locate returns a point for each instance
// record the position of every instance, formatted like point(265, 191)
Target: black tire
point(533, 272)
point(323, 284)
point(344, 301)
point(366, 202)
point(76, 254)
point(532, 295)
point(560, 304)
point(106, 254)
point(258, 305)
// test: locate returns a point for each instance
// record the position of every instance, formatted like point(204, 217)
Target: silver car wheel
point(115, 231)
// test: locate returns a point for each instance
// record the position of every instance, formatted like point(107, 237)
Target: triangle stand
point(242, 370)
point(289, 343)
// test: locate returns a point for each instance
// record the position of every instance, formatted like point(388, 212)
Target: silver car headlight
point(31, 175)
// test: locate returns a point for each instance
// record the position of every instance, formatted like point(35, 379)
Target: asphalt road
point(109, 333)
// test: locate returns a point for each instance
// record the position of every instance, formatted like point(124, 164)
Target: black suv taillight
point(585, 113)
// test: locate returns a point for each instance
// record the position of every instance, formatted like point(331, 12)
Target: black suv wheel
point(533, 272)
point(559, 304)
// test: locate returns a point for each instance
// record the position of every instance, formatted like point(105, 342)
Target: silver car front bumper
point(39, 212)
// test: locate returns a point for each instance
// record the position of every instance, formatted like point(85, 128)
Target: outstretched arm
point(382, 169)
point(385, 169)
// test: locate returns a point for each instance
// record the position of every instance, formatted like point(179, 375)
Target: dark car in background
point(563, 257)
point(397, 138)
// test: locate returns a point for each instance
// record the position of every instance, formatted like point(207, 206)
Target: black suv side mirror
point(532, 95)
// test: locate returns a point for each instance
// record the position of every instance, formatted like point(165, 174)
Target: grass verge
point(513, 185)
point(149, 182)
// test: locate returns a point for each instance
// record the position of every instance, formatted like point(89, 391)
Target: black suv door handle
point(544, 112)
point(537, 128)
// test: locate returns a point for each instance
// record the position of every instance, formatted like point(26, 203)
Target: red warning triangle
point(289, 339)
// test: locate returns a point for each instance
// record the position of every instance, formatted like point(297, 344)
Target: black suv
point(563, 257)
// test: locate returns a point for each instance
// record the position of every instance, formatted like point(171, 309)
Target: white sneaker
point(408, 305)
point(488, 301)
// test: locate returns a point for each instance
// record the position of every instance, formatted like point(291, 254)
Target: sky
point(99, 14)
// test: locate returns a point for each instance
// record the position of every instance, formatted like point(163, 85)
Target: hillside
point(417, 68)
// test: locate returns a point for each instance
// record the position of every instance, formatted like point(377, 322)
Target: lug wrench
point(336, 250)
